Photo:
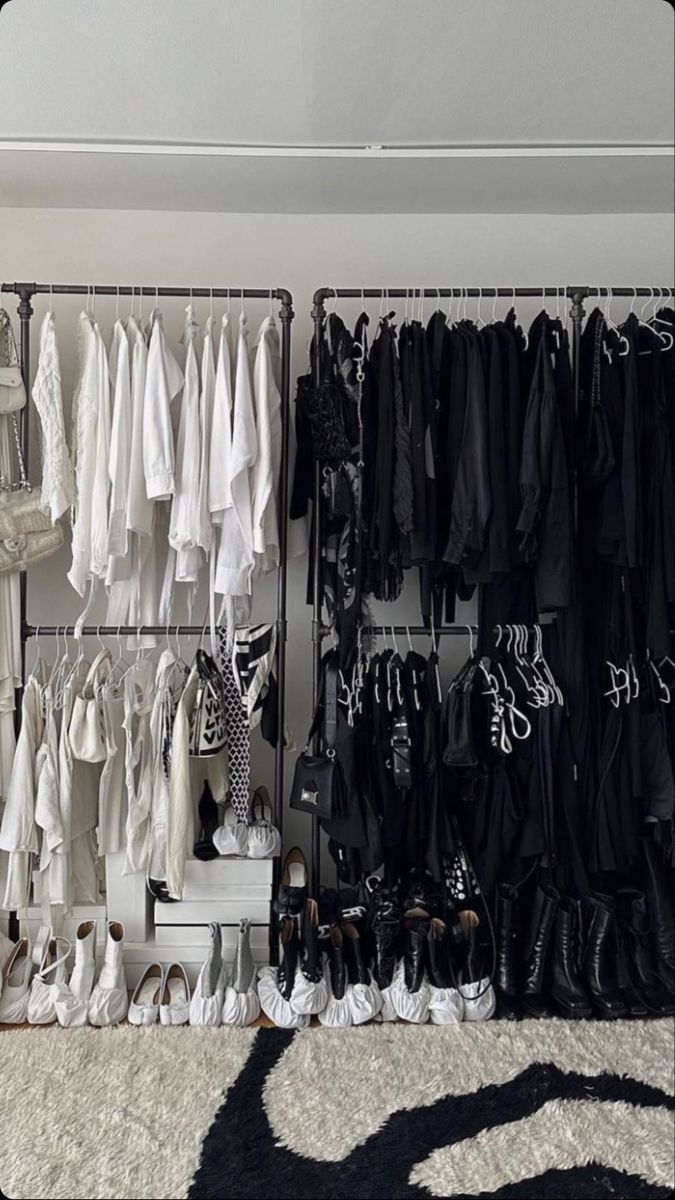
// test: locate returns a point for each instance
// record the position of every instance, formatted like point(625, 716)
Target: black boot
point(440, 971)
point(541, 928)
point(505, 976)
point(636, 935)
point(415, 936)
point(336, 962)
point(383, 925)
point(310, 960)
point(599, 958)
point(567, 990)
point(357, 971)
point(658, 881)
point(289, 956)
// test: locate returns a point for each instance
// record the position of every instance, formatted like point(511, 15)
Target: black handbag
point(318, 783)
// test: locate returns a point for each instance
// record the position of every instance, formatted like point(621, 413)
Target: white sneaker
point(144, 1004)
point(174, 1008)
point(110, 999)
point(16, 977)
point(47, 983)
point(72, 1001)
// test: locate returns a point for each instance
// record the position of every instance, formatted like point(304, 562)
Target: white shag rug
point(534, 1109)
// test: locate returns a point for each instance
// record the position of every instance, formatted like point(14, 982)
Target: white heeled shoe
point(47, 983)
point(144, 1004)
point(206, 1005)
point(16, 979)
point(110, 999)
point(72, 1002)
point(174, 1007)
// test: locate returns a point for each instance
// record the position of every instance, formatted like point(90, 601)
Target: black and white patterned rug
point(537, 1109)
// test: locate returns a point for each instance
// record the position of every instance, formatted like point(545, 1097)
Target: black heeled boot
point(599, 950)
point(336, 962)
point(505, 976)
point(383, 925)
point(541, 928)
point(658, 883)
point(567, 990)
point(636, 934)
point(415, 936)
point(289, 956)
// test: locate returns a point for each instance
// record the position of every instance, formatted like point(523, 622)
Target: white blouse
point(235, 552)
point(58, 480)
point(164, 381)
point(266, 469)
point(91, 435)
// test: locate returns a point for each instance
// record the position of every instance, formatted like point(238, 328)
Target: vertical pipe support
point(318, 317)
point(286, 315)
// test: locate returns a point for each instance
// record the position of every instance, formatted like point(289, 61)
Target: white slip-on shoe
point(72, 1001)
point(110, 999)
point(174, 1007)
point(47, 982)
point(16, 978)
point(144, 1004)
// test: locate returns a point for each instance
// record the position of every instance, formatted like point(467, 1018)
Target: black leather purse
point(318, 782)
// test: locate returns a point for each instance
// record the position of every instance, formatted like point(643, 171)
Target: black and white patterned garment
point(238, 732)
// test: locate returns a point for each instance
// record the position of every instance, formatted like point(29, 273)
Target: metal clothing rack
point(25, 292)
point(575, 294)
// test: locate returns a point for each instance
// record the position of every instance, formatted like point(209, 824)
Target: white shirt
point(235, 552)
point(266, 469)
point(164, 381)
point(206, 407)
point(221, 428)
point(120, 443)
point(184, 528)
point(91, 410)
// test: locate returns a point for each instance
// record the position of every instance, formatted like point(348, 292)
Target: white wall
point(302, 253)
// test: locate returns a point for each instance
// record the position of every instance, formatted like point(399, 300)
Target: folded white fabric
point(410, 1006)
point(479, 1000)
point(16, 980)
point(273, 1003)
point(46, 983)
point(241, 1008)
point(446, 1006)
point(365, 1001)
point(308, 998)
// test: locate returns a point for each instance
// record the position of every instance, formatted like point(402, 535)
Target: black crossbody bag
point(318, 782)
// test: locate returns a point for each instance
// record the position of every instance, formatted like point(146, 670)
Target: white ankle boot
point(110, 1000)
point(73, 1000)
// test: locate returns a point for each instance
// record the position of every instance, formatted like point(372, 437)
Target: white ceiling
point(336, 73)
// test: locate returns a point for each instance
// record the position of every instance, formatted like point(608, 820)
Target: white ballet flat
point(47, 983)
point(16, 979)
point(72, 1001)
point(109, 1000)
point(144, 1004)
point(174, 1007)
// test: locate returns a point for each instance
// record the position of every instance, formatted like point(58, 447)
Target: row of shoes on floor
point(383, 954)
point(36, 987)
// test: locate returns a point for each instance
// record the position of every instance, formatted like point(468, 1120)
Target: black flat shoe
point(310, 958)
point(293, 889)
point(204, 848)
point(159, 891)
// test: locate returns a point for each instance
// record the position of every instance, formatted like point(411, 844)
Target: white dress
point(58, 480)
point(138, 685)
point(235, 553)
point(112, 792)
point(91, 426)
point(18, 833)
